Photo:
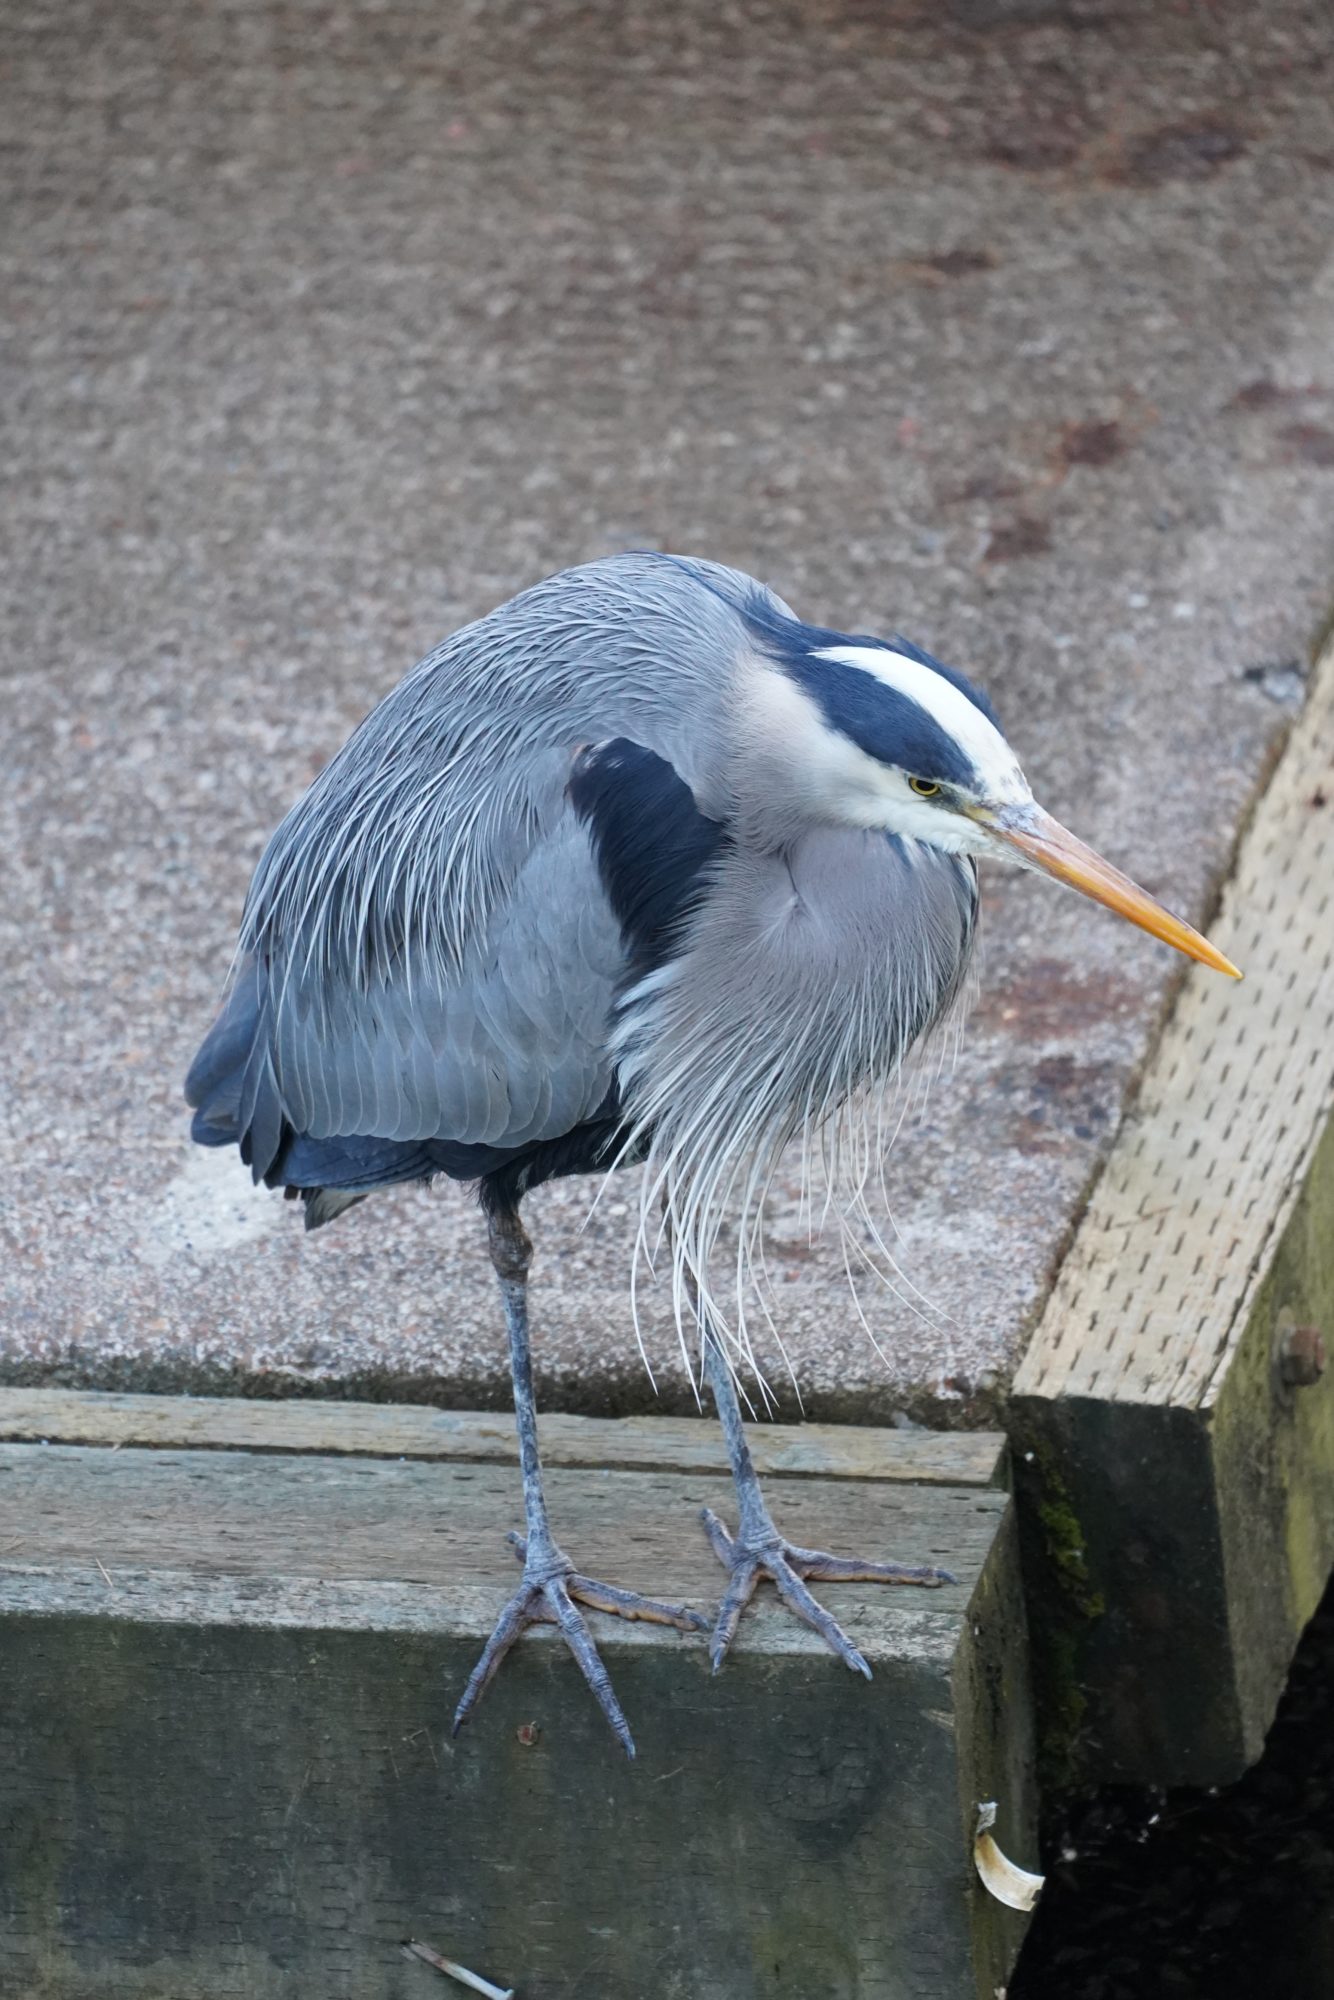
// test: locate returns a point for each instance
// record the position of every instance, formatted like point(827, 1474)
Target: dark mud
point(1224, 1895)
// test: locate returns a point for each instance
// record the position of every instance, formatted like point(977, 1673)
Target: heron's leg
point(551, 1584)
point(759, 1550)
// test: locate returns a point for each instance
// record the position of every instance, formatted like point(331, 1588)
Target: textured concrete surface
point(1008, 325)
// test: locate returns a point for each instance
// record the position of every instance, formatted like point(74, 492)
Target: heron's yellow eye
point(924, 787)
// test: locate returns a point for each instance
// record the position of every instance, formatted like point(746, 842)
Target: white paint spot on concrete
point(211, 1207)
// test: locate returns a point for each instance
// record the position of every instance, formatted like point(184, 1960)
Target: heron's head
point(894, 740)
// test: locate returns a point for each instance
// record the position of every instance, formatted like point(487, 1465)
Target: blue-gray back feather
point(428, 949)
point(525, 900)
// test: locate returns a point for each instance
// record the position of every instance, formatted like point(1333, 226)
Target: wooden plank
point(224, 1723)
point(1181, 1495)
point(390, 1430)
point(248, 1514)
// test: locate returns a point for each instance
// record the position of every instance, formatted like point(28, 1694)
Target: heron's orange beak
point(1044, 843)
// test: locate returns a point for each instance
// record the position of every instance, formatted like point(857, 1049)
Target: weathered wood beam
point(1177, 1478)
point(397, 1430)
point(227, 1675)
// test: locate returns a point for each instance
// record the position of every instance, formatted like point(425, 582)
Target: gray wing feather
point(439, 953)
point(511, 1050)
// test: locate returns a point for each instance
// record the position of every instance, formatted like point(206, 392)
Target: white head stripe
point(947, 705)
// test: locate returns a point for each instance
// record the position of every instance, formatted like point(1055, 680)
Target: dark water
point(1202, 1895)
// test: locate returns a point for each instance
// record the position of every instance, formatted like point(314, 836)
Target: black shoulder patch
point(654, 847)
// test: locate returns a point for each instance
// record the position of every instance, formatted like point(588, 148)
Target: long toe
point(817, 1567)
point(580, 1642)
point(802, 1605)
point(547, 1596)
point(740, 1588)
point(618, 1603)
point(545, 1601)
point(789, 1568)
point(526, 1607)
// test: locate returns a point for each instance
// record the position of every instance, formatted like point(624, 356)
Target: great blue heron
point(639, 866)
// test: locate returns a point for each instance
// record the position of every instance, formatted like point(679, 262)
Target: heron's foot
point(550, 1594)
point(789, 1569)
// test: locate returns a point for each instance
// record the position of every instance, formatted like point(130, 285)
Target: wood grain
point(224, 1721)
point(1158, 1285)
point(245, 1514)
point(396, 1430)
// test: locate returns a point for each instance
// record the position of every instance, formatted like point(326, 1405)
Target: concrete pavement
point(1010, 327)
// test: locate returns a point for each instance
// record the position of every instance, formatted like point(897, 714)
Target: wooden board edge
point(995, 1726)
point(1174, 1552)
point(1189, 1372)
point(389, 1430)
point(891, 1630)
point(1127, 1595)
point(1273, 1454)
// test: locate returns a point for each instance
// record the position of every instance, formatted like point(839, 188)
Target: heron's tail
point(237, 1102)
point(216, 1077)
